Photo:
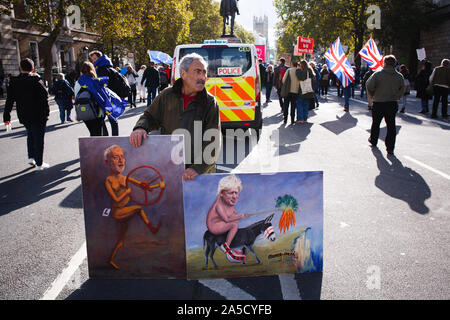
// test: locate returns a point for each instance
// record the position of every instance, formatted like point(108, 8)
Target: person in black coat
point(421, 84)
point(31, 97)
point(151, 80)
point(268, 77)
point(64, 94)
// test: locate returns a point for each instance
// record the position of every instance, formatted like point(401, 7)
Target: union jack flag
point(338, 63)
point(370, 54)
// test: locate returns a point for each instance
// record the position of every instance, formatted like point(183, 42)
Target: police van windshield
point(223, 61)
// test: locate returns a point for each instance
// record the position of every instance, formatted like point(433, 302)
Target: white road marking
point(227, 290)
point(442, 174)
point(65, 276)
point(289, 287)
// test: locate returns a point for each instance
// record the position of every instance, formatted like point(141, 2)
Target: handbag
point(286, 86)
point(306, 85)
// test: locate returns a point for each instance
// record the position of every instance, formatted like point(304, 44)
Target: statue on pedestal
point(228, 9)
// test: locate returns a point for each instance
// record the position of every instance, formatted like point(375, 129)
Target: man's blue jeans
point(35, 141)
point(151, 95)
point(302, 109)
point(347, 95)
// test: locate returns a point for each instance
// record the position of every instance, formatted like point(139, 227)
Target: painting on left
point(133, 207)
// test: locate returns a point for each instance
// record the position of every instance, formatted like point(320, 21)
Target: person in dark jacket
point(31, 97)
point(269, 75)
point(64, 94)
point(440, 80)
point(262, 73)
point(151, 80)
point(421, 84)
point(324, 80)
point(103, 66)
point(278, 75)
point(189, 107)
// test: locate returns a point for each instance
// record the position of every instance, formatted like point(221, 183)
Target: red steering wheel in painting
point(148, 187)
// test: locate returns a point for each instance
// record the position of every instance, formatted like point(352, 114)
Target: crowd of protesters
point(299, 88)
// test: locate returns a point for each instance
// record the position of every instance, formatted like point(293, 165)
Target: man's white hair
point(107, 153)
point(229, 182)
point(187, 60)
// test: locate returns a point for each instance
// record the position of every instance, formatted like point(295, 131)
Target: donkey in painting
point(244, 239)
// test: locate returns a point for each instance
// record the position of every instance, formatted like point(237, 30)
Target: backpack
point(61, 91)
point(118, 83)
point(86, 107)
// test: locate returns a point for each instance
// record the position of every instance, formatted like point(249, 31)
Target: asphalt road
point(386, 220)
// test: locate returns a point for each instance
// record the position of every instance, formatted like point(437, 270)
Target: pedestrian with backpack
point(63, 96)
point(131, 76)
point(94, 100)
point(116, 82)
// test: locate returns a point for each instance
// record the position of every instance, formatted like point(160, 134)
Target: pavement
point(386, 219)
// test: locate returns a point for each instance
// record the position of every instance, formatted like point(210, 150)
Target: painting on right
point(245, 225)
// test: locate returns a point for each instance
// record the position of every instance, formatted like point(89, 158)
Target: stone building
point(20, 39)
point(436, 40)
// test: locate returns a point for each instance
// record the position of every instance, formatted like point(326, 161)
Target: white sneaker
point(32, 162)
point(43, 166)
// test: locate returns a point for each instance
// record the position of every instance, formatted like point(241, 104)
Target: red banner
point(304, 45)
point(261, 52)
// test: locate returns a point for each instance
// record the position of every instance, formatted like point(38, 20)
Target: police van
point(232, 77)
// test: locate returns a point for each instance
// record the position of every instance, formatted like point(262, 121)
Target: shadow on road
point(292, 136)
point(262, 288)
point(401, 182)
point(34, 186)
point(341, 124)
point(94, 289)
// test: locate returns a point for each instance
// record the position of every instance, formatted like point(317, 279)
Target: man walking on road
point(386, 87)
point(186, 105)
point(31, 97)
point(440, 79)
point(151, 80)
point(278, 74)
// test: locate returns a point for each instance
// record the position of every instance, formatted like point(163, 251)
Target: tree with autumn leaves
point(326, 20)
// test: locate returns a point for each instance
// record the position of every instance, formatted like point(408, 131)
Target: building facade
point(20, 39)
point(436, 40)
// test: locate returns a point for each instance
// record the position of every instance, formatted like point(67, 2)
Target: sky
point(258, 8)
